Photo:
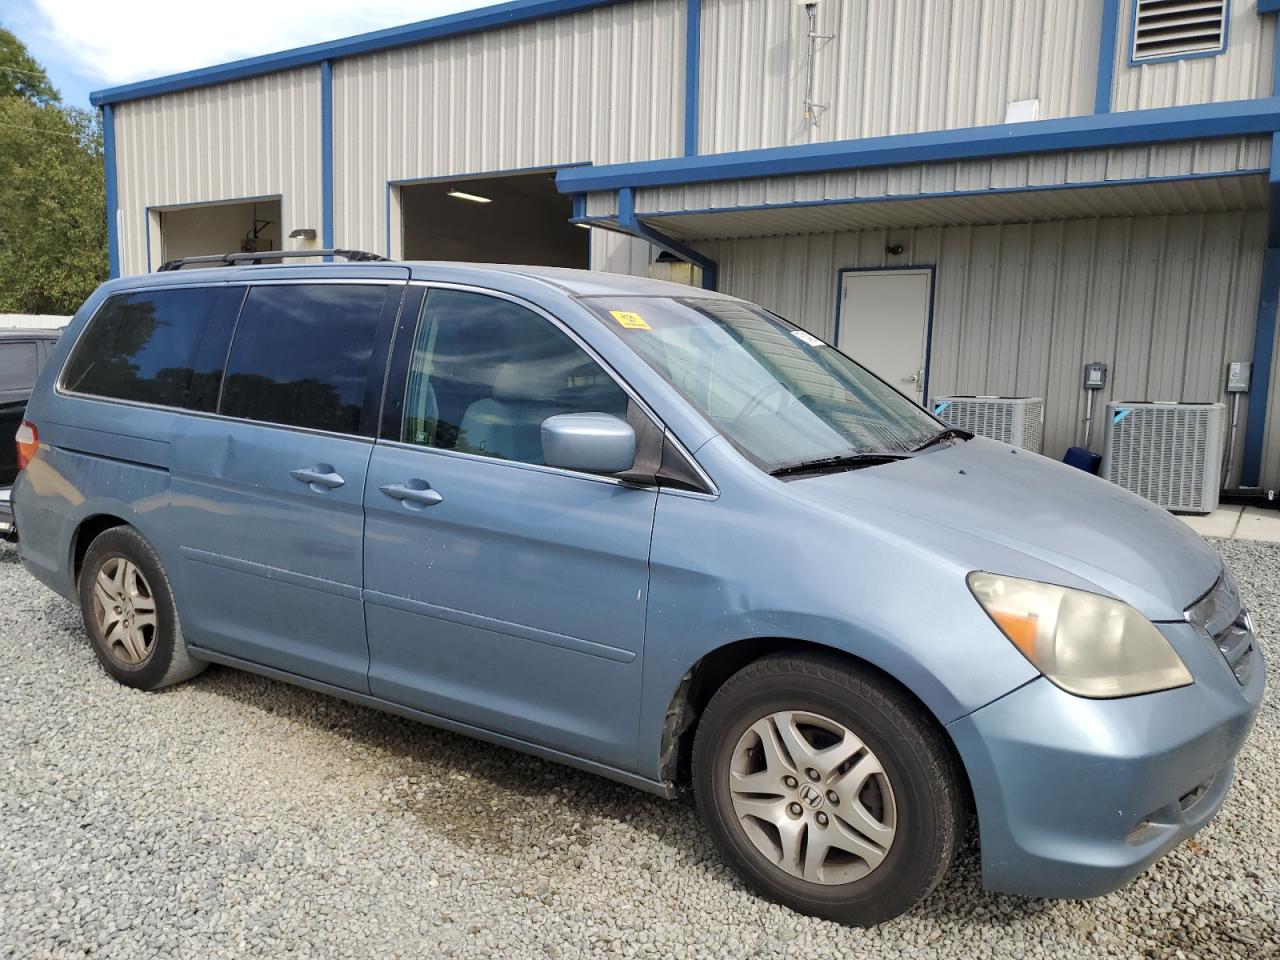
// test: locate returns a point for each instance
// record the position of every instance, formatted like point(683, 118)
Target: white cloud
point(119, 41)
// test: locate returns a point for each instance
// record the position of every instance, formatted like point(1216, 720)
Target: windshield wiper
point(845, 462)
point(950, 433)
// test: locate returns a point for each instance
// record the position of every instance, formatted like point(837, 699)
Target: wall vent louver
point(1175, 28)
point(1015, 420)
point(1170, 453)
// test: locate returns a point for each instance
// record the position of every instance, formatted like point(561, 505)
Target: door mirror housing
point(591, 442)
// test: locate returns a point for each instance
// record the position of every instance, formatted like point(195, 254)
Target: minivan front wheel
point(129, 613)
point(827, 788)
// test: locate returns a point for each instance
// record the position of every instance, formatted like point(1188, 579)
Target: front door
point(884, 325)
point(500, 592)
point(268, 505)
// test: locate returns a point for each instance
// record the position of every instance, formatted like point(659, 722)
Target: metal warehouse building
point(974, 196)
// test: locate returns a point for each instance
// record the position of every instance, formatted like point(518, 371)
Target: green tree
point(53, 235)
point(21, 76)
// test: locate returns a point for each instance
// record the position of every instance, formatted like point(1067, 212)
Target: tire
point(150, 652)
point(888, 818)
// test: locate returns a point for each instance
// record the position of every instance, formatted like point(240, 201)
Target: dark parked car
point(22, 357)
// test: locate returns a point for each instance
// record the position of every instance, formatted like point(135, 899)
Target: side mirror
point(591, 442)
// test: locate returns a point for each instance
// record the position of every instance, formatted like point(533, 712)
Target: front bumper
point(1076, 797)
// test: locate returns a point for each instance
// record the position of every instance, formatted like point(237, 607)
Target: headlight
point(1087, 644)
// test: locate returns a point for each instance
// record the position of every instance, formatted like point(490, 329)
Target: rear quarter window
point(165, 347)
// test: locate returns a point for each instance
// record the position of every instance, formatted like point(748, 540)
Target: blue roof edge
point(455, 24)
point(1089, 131)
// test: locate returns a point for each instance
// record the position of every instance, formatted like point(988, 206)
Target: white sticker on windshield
point(809, 338)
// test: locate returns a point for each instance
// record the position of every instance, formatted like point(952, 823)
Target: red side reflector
point(27, 440)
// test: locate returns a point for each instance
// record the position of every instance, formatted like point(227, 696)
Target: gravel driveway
point(237, 816)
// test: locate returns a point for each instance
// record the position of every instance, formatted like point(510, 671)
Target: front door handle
point(413, 494)
point(319, 478)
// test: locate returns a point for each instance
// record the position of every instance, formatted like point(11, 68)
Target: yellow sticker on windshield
point(632, 321)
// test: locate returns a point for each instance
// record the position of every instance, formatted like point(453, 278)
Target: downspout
point(1264, 331)
point(113, 194)
point(326, 156)
point(628, 223)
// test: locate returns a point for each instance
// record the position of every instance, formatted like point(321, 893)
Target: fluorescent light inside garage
point(474, 198)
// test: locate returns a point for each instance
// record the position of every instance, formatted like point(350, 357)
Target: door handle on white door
point(413, 494)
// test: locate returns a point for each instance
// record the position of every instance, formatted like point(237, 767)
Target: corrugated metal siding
point(1083, 166)
point(1242, 72)
point(618, 253)
point(894, 66)
point(603, 86)
point(1019, 308)
point(251, 138)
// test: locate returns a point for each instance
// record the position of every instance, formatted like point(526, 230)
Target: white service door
point(884, 325)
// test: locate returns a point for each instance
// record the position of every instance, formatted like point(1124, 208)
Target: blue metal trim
point(457, 24)
point(1092, 131)
point(1133, 27)
point(692, 73)
point(326, 156)
point(1264, 341)
point(1268, 6)
point(1264, 328)
point(628, 223)
point(1107, 56)
point(928, 334)
point(987, 192)
point(113, 195)
point(579, 207)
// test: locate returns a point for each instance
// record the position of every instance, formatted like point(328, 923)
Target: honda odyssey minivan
point(653, 532)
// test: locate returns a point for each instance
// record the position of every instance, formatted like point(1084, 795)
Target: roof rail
point(230, 258)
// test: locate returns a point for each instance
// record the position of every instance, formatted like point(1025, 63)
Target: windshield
point(780, 395)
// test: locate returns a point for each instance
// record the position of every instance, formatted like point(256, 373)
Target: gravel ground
point(236, 816)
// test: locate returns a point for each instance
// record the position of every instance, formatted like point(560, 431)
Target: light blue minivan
point(653, 532)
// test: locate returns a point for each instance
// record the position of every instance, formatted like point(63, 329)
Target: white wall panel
point(603, 86)
point(251, 138)
point(615, 252)
point(1241, 72)
point(1019, 308)
point(893, 66)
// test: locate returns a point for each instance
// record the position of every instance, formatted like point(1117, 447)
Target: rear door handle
point(413, 493)
point(319, 478)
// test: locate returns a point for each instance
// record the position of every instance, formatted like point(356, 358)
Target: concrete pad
point(1259, 524)
point(1221, 523)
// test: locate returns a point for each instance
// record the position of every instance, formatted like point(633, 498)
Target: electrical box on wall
point(1238, 373)
point(1095, 376)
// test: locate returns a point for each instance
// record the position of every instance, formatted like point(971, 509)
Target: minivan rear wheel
point(828, 788)
point(129, 614)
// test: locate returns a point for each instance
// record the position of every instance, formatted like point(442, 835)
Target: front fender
point(759, 564)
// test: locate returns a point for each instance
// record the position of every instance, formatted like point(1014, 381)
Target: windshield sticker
point(808, 338)
point(632, 321)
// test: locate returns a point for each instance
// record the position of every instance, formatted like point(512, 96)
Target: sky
point(86, 45)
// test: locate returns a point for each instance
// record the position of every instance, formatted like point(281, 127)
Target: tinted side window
point(157, 346)
point(17, 366)
point(486, 372)
point(301, 354)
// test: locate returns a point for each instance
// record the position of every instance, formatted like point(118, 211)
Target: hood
point(1054, 514)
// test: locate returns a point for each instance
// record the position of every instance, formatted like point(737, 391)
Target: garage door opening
point(211, 228)
point(520, 219)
